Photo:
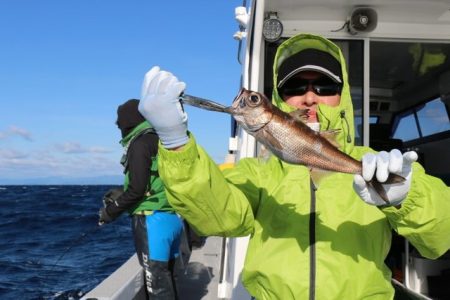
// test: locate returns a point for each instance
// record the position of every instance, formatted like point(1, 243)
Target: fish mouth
point(234, 109)
point(214, 106)
point(205, 104)
point(243, 93)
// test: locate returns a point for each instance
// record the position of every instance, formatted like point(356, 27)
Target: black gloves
point(109, 212)
point(104, 217)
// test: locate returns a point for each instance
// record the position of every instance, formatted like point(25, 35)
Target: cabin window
point(422, 121)
point(407, 128)
point(359, 124)
point(433, 118)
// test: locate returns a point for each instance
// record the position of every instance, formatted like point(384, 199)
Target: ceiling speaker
point(362, 19)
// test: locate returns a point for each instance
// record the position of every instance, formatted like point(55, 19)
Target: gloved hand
point(382, 164)
point(109, 203)
point(161, 106)
point(104, 217)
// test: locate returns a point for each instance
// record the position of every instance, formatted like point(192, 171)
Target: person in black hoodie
point(156, 227)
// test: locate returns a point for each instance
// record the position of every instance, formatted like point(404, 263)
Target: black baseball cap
point(310, 60)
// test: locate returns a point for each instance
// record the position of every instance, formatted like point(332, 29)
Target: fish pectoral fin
point(300, 115)
point(264, 153)
point(317, 175)
point(330, 136)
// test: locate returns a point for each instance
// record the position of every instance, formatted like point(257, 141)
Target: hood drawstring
point(349, 138)
point(324, 117)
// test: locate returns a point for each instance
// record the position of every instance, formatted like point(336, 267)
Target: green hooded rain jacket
point(326, 244)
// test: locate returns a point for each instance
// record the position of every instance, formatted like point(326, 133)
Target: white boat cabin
point(398, 60)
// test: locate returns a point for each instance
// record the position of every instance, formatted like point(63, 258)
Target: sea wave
point(52, 247)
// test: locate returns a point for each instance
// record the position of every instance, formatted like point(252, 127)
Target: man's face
point(308, 89)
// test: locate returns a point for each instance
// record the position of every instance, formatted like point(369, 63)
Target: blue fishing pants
point(157, 242)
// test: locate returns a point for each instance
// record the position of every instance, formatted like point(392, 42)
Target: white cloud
point(93, 161)
point(12, 154)
point(77, 148)
point(16, 131)
point(99, 150)
point(70, 147)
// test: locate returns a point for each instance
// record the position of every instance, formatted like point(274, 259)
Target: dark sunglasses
point(321, 87)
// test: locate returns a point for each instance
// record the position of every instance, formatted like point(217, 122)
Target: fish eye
point(254, 99)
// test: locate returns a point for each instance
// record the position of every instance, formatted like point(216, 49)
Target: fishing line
point(75, 242)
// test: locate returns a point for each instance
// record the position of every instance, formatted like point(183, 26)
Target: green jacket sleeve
point(198, 190)
point(424, 217)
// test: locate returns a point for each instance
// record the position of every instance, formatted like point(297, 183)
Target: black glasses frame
point(320, 87)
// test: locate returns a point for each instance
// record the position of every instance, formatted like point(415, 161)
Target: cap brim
point(315, 68)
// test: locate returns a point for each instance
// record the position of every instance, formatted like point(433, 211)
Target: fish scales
point(298, 144)
point(288, 138)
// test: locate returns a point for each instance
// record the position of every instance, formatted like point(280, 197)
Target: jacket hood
point(339, 117)
point(143, 127)
point(128, 116)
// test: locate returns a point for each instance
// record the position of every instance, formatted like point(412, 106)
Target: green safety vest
point(155, 196)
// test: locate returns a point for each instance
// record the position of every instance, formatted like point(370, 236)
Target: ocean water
point(50, 244)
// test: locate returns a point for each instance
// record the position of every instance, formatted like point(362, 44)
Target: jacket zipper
point(312, 244)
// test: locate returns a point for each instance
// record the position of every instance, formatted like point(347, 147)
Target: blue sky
point(65, 66)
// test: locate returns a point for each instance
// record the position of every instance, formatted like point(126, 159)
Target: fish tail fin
point(394, 178)
point(378, 186)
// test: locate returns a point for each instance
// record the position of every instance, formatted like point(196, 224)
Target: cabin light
point(272, 27)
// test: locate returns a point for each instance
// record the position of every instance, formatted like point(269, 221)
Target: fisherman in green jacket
point(308, 240)
point(156, 227)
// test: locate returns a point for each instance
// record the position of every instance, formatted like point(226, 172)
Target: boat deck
point(199, 281)
point(201, 277)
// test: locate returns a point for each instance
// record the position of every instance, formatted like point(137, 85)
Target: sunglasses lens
point(321, 87)
point(297, 87)
point(327, 90)
point(294, 91)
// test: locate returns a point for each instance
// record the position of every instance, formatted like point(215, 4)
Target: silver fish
point(287, 137)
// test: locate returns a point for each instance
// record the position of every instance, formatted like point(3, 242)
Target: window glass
point(358, 125)
point(407, 129)
point(358, 128)
point(433, 118)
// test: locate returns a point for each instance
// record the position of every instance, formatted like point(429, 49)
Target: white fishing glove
point(161, 107)
point(381, 164)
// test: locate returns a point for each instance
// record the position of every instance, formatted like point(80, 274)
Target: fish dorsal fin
point(330, 136)
point(300, 115)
